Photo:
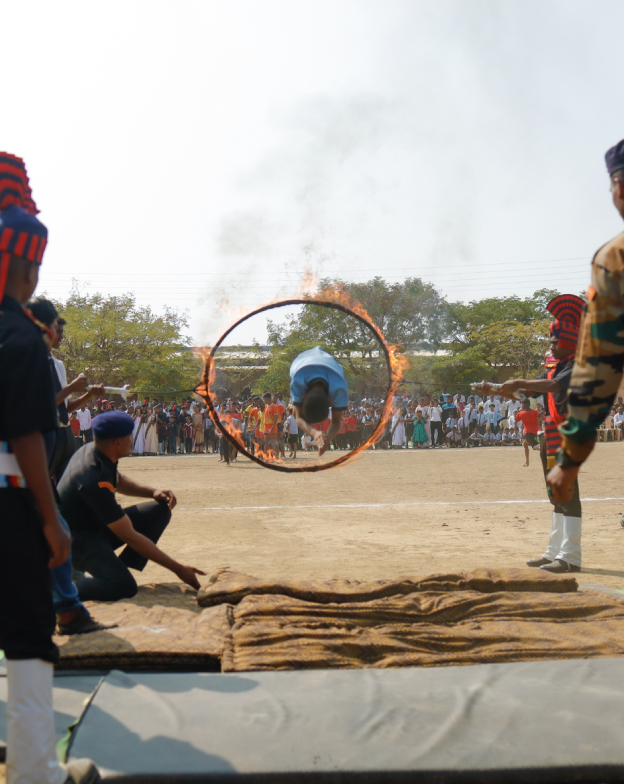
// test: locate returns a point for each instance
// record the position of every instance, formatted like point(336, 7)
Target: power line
point(334, 272)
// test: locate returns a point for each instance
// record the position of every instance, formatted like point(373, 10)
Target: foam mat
point(537, 721)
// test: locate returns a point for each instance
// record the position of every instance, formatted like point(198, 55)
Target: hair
point(526, 404)
point(43, 310)
point(618, 175)
point(266, 394)
point(315, 407)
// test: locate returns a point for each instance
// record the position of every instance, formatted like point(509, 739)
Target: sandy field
point(383, 515)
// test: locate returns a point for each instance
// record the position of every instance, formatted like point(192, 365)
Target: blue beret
point(112, 424)
point(615, 158)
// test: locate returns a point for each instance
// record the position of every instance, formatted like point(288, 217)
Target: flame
point(308, 289)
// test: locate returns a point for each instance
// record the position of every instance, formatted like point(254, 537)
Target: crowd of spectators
point(266, 423)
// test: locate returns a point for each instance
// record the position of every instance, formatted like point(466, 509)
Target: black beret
point(615, 158)
point(112, 424)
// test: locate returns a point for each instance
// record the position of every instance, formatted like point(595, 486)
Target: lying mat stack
point(249, 624)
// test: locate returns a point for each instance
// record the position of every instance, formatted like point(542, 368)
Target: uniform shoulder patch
point(107, 485)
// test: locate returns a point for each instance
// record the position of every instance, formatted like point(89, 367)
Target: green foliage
point(510, 343)
point(113, 341)
point(466, 320)
point(482, 339)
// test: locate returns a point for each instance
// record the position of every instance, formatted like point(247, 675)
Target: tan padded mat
point(161, 628)
point(482, 616)
point(231, 587)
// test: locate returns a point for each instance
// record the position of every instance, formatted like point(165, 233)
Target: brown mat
point(232, 587)
point(466, 618)
point(161, 628)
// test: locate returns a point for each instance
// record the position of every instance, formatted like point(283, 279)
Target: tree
point(466, 321)
point(113, 341)
point(521, 345)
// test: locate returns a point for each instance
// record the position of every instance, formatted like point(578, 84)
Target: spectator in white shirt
point(488, 437)
point(471, 415)
point(482, 420)
point(459, 398)
point(493, 417)
point(453, 438)
point(475, 438)
point(291, 433)
point(618, 419)
point(84, 417)
point(492, 399)
point(435, 420)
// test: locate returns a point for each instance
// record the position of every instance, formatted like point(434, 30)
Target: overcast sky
point(199, 151)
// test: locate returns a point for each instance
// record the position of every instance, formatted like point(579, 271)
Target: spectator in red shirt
point(75, 426)
point(530, 420)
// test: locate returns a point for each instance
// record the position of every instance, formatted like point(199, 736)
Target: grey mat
point(543, 721)
point(603, 589)
point(70, 694)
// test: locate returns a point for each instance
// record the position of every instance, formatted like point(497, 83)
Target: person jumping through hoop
point(317, 383)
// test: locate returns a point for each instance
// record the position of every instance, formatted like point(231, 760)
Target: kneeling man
point(317, 382)
point(99, 525)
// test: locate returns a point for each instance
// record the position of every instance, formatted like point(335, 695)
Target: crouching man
point(99, 525)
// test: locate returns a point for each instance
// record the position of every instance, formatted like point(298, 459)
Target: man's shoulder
point(19, 334)
point(611, 254)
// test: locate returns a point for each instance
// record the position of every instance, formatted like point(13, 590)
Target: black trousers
point(436, 427)
point(94, 552)
point(63, 450)
point(573, 507)
point(27, 618)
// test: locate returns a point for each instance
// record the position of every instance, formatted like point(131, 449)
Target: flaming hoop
point(393, 363)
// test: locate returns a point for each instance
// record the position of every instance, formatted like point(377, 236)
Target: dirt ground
point(386, 514)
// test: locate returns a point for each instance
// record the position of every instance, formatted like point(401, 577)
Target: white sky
point(196, 151)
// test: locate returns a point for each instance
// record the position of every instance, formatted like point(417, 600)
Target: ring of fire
point(394, 377)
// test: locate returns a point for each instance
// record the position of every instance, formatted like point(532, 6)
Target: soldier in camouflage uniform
point(600, 351)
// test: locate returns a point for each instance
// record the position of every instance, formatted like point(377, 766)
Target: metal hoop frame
point(392, 384)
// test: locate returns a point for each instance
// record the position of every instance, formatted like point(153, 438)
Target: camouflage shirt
point(599, 354)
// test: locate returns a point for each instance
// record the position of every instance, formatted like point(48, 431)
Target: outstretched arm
point(124, 529)
point(537, 386)
point(334, 428)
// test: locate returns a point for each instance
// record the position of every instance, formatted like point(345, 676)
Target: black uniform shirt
point(27, 402)
point(87, 491)
point(562, 376)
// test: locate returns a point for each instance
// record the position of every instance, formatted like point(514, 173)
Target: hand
point(509, 387)
point(319, 441)
point(560, 482)
point(79, 384)
point(97, 389)
point(188, 575)
point(167, 496)
point(59, 542)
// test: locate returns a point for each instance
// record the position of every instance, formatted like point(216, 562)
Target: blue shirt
point(317, 365)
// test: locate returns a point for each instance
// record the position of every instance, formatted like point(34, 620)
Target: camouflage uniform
point(599, 355)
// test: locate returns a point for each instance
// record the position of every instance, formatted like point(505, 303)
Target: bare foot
point(525, 465)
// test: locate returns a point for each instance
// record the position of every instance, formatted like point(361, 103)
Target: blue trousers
point(64, 592)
